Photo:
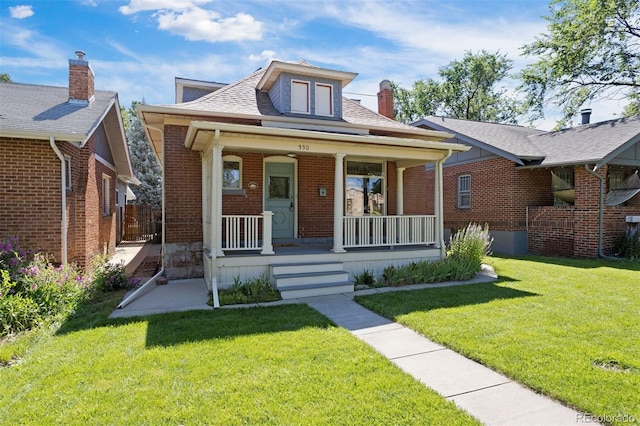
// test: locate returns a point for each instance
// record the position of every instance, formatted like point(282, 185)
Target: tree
point(468, 89)
point(143, 160)
point(5, 77)
point(591, 51)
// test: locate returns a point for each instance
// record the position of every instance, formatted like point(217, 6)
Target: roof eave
point(60, 136)
point(196, 126)
point(173, 110)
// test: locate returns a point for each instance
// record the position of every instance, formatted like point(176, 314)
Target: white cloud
point(264, 55)
point(136, 6)
point(21, 12)
point(194, 23)
point(198, 24)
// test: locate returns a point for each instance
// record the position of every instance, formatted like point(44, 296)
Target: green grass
point(278, 365)
point(566, 328)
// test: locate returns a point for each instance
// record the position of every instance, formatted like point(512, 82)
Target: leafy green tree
point(143, 160)
point(591, 51)
point(467, 89)
point(5, 77)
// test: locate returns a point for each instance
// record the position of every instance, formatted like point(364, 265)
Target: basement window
point(464, 192)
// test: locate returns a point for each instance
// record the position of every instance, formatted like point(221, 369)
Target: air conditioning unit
point(633, 219)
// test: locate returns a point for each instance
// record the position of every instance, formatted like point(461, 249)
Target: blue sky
point(137, 47)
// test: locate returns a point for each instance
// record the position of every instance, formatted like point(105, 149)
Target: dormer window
point(324, 99)
point(300, 96)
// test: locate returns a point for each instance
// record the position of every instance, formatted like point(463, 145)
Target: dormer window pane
point(324, 99)
point(300, 96)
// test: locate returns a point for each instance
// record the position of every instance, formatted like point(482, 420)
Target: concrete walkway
point(490, 397)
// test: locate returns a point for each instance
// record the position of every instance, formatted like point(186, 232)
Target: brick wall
point(183, 188)
point(551, 230)
point(30, 199)
point(500, 193)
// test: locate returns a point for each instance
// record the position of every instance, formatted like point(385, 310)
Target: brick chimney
point(81, 89)
point(385, 99)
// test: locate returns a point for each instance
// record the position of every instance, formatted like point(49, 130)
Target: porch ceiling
point(410, 152)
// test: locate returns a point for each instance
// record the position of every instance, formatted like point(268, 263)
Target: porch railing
point(373, 231)
point(242, 232)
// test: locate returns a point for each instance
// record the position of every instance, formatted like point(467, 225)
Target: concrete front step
point(301, 268)
point(283, 281)
point(310, 279)
point(316, 290)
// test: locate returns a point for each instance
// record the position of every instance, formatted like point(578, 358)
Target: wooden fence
point(142, 223)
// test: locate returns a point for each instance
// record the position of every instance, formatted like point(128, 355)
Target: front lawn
point(566, 328)
point(279, 365)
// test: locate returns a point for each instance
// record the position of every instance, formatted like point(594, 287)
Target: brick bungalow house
point(65, 167)
point(279, 174)
point(566, 192)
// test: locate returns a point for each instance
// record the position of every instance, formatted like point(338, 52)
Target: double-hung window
point(231, 172)
point(324, 99)
point(464, 191)
point(300, 96)
point(106, 195)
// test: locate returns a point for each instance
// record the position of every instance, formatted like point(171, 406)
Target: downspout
point(147, 286)
point(440, 212)
point(63, 188)
point(600, 212)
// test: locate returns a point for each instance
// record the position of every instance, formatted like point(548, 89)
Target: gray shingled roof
point(587, 143)
point(243, 98)
point(590, 143)
point(43, 110)
point(505, 137)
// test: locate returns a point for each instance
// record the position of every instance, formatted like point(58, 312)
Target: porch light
point(292, 155)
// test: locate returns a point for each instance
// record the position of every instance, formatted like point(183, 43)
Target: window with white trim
point(365, 188)
point(300, 96)
point(464, 191)
point(67, 170)
point(106, 195)
point(324, 99)
point(231, 172)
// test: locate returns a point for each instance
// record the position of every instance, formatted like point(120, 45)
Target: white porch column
point(267, 245)
point(216, 208)
point(338, 204)
point(400, 191)
point(438, 210)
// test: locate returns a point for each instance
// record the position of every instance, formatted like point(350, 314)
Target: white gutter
point(63, 187)
point(146, 287)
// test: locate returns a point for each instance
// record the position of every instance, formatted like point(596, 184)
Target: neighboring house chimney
point(81, 89)
point(586, 115)
point(385, 99)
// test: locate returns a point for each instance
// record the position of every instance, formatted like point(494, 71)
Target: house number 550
point(303, 147)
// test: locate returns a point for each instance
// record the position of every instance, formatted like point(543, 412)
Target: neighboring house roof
point(589, 143)
point(39, 112)
point(502, 139)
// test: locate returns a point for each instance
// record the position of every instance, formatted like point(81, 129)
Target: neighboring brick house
point(279, 167)
point(540, 191)
point(65, 166)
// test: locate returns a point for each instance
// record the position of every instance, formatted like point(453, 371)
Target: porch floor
point(301, 248)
